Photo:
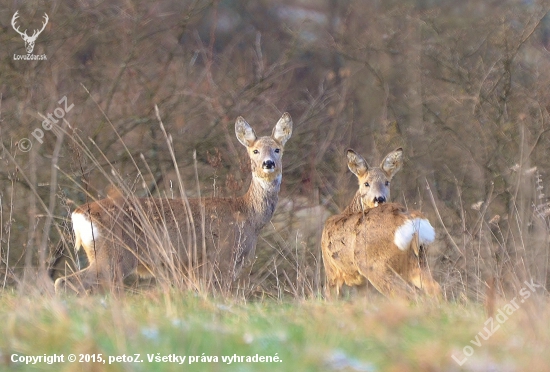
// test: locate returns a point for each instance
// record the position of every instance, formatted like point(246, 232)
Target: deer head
point(374, 182)
point(29, 40)
point(265, 152)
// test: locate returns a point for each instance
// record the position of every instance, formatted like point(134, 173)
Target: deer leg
point(387, 281)
point(108, 276)
point(422, 279)
point(79, 282)
point(419, 273)
point(333, 286)
point(109, 268)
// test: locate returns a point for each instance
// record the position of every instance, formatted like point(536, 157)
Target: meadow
point(306, 335)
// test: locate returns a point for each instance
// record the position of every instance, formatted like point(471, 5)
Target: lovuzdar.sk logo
point(29, 40)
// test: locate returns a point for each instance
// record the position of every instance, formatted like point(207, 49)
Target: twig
point(441, 219)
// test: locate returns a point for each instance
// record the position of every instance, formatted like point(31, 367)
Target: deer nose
point(268, 164)
point(379, 199)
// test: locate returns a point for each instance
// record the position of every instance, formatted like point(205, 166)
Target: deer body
point(377, 241)
point(381, 245)
point(121, 236)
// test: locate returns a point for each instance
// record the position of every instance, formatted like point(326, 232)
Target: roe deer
point(138, 235)
point(377, 241)
point(374, 182)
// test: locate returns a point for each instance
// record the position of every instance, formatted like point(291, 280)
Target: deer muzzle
point(268, 166)
point(379, 200)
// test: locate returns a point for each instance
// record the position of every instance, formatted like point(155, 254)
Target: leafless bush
point(462, 88)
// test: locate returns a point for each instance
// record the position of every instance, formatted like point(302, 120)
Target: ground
point(104, 333)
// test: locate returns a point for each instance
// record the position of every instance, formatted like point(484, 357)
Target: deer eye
point(277, 151)
point(387, 183)
point(367, 184)
point(256, 152)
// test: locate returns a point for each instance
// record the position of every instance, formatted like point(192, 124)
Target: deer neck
point(355, 205)
point(261, 199)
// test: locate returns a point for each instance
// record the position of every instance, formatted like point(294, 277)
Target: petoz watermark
point(144, 359)
point(25, 144)
point(491, 326)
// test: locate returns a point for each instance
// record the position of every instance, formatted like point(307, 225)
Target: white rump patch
point(84, 230)
point(405, 233)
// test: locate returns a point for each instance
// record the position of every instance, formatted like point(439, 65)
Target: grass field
point(309, 335)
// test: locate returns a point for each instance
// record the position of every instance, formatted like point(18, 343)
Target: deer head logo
point(29, 40)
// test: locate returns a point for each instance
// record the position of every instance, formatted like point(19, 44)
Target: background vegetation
point(463, 88)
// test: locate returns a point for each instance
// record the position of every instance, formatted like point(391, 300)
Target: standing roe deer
point(124, 236)
point(377, 241)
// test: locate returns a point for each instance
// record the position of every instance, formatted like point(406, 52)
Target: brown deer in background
point(377, 241)
point(374, 182)
point(122, 236)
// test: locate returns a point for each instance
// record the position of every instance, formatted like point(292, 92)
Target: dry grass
point(472, 137)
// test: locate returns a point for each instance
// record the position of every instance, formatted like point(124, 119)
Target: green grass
point(310, 335)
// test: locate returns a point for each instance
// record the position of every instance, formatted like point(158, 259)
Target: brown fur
point(358, 244)
point(214, 235)
point(374, 182)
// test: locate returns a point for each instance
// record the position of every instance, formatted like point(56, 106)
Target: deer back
point(381, 235)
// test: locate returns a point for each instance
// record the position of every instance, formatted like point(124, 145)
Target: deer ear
point(356, 164)
point(393, 162)
point(283, 129)
point(244, 132)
